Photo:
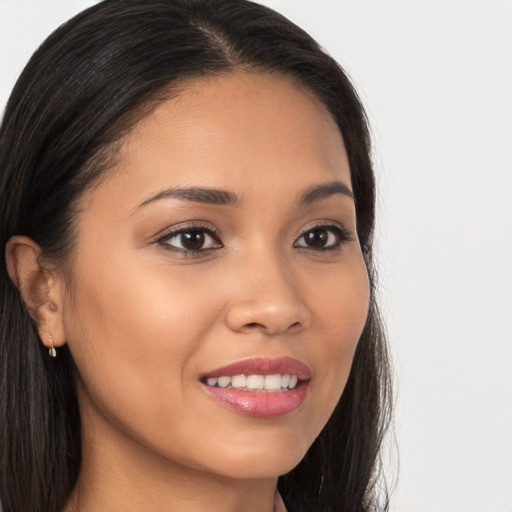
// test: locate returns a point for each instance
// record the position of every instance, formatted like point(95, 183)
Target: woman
point(188, 302)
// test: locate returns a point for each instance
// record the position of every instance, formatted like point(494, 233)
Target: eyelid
point(183, 226)
point(325, 223)
point(176, 230)
point(343, 233)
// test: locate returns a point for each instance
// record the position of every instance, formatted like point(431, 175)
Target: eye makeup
point(195, 239)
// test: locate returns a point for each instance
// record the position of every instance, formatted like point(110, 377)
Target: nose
point(266, 298)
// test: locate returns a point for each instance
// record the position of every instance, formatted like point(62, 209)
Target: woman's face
point(223, 247)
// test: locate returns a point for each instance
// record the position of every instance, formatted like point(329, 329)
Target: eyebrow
point(324, 191)
point(225, 198)
point(197, 195)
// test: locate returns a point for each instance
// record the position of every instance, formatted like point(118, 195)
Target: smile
point(255, 382)
point(260, 387)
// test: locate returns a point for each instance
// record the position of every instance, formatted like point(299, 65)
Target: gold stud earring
point(51, 350)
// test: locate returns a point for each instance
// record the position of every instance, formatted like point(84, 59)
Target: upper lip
point(263, 366)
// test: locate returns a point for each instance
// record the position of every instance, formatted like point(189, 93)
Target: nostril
point(254, 325)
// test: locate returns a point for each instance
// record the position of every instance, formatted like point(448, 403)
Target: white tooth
point(293, 381)
point(285, 380)
point(212, 381)
point(272, 381)
point(224, 382)
point(255, 382)
point(238, 381)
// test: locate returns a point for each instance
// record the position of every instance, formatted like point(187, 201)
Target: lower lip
point(261, 404)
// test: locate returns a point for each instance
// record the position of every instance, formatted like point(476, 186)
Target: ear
point(41, 289)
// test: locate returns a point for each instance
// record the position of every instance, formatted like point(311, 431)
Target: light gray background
point(436, 78)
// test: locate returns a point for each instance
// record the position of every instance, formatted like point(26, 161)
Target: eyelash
point(341, 234)
point(190, 229)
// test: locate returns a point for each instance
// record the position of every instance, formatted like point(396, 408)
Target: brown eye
point(317, 238)
point(323, 238)
point(191, 240)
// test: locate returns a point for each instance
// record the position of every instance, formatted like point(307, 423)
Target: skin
point(144, 320)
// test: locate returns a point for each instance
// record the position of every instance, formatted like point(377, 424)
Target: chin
point(261, 460)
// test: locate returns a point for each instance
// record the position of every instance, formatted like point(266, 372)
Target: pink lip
point(262, 404)
point(263, 366)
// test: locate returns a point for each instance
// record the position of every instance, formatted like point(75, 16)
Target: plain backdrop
point(436, 79)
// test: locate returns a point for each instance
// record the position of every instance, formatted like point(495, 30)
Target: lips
point(259, 387)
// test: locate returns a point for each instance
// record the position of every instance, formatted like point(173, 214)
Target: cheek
point(123, 303)
point(339, 301)
point(341, 312)
point(132, 331)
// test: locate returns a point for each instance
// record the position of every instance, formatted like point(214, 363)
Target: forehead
point(246, 131)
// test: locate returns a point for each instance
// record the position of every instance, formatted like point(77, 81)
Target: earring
point(51, 350)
